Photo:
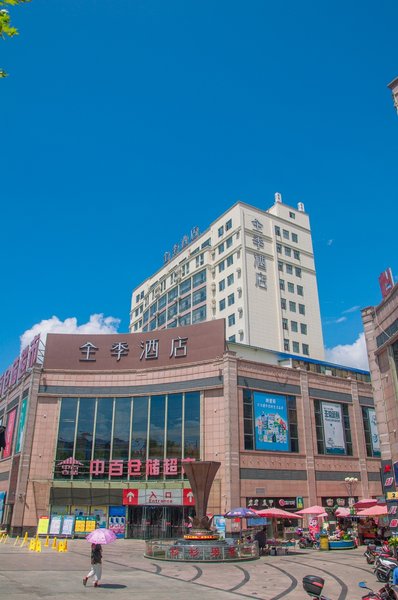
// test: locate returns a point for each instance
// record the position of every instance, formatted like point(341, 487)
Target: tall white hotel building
point(255, 268)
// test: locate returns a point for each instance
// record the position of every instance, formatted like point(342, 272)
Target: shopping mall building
point(102, 424)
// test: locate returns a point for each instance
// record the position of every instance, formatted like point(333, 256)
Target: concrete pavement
point(126, 572)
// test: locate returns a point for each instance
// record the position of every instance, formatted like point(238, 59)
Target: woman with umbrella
point(97, 538)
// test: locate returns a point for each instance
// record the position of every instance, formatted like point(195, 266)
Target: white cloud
point(349, 355)
point(97, 324)
point(336, 320)
point(351, 310)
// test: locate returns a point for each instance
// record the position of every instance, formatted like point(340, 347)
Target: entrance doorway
point(157, 522)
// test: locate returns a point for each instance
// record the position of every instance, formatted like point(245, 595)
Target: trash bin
point(323, 541)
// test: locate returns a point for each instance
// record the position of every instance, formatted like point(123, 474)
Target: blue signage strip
point(271, 422)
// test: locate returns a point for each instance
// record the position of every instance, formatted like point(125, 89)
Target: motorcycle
point(384, 568)
point(385, 593)
point(314, 585)
point(372, 552)
point(306, 542)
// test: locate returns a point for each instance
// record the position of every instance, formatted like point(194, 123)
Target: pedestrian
point(261, 538)
point(96, 565)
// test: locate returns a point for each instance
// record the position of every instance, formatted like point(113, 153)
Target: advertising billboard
point(9, 433)
point(374, 434)
point(333, 428)
point(21, 426)
point(271, 422)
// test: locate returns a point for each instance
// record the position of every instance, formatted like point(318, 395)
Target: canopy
point(343, 512)
point(277, 513)
point(374, 511)
point(311, 510)
point(365, 503)
point(241, 513)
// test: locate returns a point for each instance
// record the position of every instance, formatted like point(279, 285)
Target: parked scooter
point(385, 593)
point(384, 568)
point(372, 552)
point(307, 542)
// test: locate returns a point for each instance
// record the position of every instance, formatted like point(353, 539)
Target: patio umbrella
point(343, 512)
point(101, 536)
point(374, 511)
point(311, 510)
point(277, 513)
point(365, 503)
point(241, 513)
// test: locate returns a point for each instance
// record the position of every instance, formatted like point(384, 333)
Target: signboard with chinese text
point(42, 526)
point(284, 503)
point(55, 525)
point(21, 426)
point(91, 524)
point(67, 525)
point(20, 366)
point(271, 422)
point(9, 433)
point(80, 524)
point(162, 348)
point(117, 520)
point(132, 469)
point(333, 428)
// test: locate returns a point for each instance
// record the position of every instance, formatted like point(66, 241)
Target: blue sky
point(126, 123)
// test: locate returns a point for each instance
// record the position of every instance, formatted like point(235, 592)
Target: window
point(280, 266)
point(281, 284)
point(285, 324)
point(221, 266)
point(277, 230)
point(294, 237)
point(221, 231)
point(292, 306)
point(185, 286)
point(283, 304)
point(162, 301)
point(146, 316)
point(231, 320)
point(285, 234)
point(298, 271)
point(290, 287)
point(294, 326)
point(230, 260)
point(279, 248)
point(135, 326)
point(198, 278)
point(206, 243)
point(221, 304)
point(288, 251)
point(185, 303)
point(152, 324)
point(296, 347)
point(136, 312)
point(137, 298)
point(200, 259)
point(289, 269)
point(296, 254)
point(199, 314)
point(228, 225)
point(172, 324)
point(286, 345)
point(162, 318)
point(306, 350)
point(231, 299)
point(292, 215)
point(221, 248)
point(229, 242)
point(153, 308)
point(172, 294)
point(172, 311)
point(230, 279)
point(185, 320)
point(301, 309)
point(221, 285)
point(185, 269)
point(232, 338)
point(303, 328)
point(199, 296)
point(300, 290)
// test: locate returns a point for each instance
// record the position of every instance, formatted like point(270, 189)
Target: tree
point(6, 28)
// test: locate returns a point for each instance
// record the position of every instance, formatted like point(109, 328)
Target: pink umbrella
point(374, 511)
point(311, 510)
point(101, 536)
point(277, 513)
point(365, 503)
point(343, 512)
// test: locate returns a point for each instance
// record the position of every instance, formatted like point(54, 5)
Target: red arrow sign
point(130, 497)
point(188, 497)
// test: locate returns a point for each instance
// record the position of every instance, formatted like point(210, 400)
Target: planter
point(342, 545)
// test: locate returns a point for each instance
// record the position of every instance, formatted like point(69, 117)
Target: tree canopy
point(6, 29)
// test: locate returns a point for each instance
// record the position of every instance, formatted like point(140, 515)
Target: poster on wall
point(9, 433)
point(333, 428)
point(67, 525)
point(117, 520)
point(21, 426)
point(374, 434)
point(271, 422)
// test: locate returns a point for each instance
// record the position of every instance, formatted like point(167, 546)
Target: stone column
point(308, 442)
point(231, 468)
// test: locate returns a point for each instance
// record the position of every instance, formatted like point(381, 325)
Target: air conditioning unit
point(239, 290)
point(240, 311)
point(240, 331)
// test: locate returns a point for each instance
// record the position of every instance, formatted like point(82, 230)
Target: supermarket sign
point(158, 497)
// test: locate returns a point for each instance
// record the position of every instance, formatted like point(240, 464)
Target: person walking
point(96, 565)
point(261, 538)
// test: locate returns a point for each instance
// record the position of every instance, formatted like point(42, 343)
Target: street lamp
point(351, 484)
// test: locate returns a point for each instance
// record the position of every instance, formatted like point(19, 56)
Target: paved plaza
point(126, 573)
